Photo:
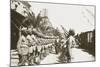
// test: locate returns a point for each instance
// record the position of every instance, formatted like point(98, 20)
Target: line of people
point(30, 51)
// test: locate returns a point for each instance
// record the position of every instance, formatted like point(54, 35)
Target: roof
point(26, 3)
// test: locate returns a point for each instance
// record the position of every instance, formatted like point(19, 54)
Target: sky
point(79, 18)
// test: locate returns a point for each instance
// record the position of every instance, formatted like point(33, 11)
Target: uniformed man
point(22, 47)
point(30, 45)
point(56, 46)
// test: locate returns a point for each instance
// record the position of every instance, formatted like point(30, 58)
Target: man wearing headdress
point(70, 43)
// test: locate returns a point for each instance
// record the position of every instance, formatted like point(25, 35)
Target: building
point(87, 41)
point(19, 11)
point(21, 7)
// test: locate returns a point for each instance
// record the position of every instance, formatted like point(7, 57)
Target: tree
point(56, 32)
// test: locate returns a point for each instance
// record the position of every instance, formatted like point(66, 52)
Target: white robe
point(71, 44)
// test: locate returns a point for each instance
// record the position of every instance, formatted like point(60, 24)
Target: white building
point(21, 7)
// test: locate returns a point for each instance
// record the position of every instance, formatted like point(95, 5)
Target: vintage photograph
point(51, 33)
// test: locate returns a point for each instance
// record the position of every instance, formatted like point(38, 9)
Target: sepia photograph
point(51, 33)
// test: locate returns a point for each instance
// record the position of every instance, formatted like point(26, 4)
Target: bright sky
point(79, 18)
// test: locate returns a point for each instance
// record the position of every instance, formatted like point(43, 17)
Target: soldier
point(36, 55)
point(22, 47)
point(30, 45)
point(56, 46)
point(41, 55)
point(44, 54)
point(34, 43)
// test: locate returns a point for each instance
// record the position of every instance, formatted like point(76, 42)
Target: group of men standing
point(30, 51)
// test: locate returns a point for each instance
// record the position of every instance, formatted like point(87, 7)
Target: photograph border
point(59, 4)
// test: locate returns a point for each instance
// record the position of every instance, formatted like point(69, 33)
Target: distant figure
point(56, 46)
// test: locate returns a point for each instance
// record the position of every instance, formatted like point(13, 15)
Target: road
point(79, 55)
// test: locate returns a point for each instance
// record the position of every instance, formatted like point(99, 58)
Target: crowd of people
point(32, 49)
